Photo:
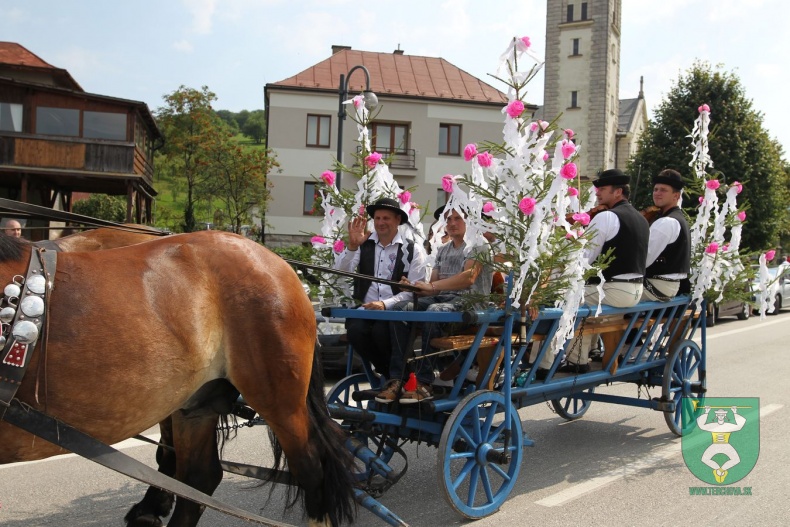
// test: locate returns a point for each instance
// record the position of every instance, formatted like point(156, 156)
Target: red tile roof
point(396, 74)
point(14, 54)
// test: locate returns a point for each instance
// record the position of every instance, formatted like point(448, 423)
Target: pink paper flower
point(569, 133)
point(413, 206)
point(568, 149)
point(712, 248)
point(373, 159)
point(527, 206)
point(526, 42)
point(573, 191)
point(338, 246)
point(704, 108)
point(545, 156)
point(404, 197)
point(328, 177)
point(362, 210)
point(701, 199)
point(485, 159)
point(742, 215)
point(569, 171)
point(582, 217)
point(725, 247)
point(713, 184)
point(569, 235)
point(358, 101)
point(447, 183)
point(769, 255)
point(514, 108)
point(470, 151)
point(488, 207)
point(738, 185)
point(318, 240)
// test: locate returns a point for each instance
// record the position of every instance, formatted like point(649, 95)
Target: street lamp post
point(370, 102)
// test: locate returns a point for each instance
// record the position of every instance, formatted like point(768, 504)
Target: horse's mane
point(11, 248)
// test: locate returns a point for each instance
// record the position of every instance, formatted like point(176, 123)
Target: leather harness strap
point(65, 436)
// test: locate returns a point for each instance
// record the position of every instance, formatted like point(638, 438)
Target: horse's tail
point(337, 461)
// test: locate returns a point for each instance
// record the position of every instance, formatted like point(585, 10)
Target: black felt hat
point(438, 212)
point(612, 176)
point(387, 204)
point(669, 177)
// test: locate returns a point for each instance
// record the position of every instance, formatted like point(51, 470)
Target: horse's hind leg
point(157, 503)
point(197, 461)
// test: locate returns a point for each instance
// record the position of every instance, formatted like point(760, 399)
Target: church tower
point(583, 76)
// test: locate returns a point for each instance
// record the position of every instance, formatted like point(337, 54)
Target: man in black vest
point(669, 249)
point(383, 254)
point(624, 230)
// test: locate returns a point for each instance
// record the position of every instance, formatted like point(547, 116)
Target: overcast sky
point(145, 49)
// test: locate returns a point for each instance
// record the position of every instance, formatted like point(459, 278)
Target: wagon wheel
point(684, 383)
point(476, 470)
point(572, 408)
point(343, 389)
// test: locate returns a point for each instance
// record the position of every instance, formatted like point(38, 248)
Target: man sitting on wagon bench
point(669, 249)
point(454, 275)
point(383, 254)
point(623, 229)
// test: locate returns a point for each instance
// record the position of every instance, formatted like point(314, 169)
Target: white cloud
point(768, 71)
point(183, 46)
point(202, 12)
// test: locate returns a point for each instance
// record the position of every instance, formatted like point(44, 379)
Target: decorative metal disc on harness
point(22, 314)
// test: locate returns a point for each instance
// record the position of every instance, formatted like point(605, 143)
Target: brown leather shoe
point(390, 393)
point(423, 392)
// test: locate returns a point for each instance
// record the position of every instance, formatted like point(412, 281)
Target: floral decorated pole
point(523, 186)
point(375, 181)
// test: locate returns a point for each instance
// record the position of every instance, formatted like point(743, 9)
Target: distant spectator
point(12, 228)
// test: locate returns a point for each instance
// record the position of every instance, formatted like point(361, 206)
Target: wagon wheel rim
point(573, 407)
point(474, 435)
point(684, 381)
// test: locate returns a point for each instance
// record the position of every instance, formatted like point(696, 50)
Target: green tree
point(241, 118)
point(228, 118)
point(190, 126)
point(103, 207)
point(255, 126)
point(740, 148)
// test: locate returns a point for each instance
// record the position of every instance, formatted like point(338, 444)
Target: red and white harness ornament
point(16, 355)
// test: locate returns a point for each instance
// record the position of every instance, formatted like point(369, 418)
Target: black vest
point(630, 242)
point(676, 257)
point(367, 265)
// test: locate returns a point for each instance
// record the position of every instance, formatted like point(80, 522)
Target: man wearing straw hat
point(669, 248)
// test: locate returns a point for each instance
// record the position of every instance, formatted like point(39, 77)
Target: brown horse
point(107, 238)
point(174, 329)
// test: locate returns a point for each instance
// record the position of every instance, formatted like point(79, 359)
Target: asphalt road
point(616, 466)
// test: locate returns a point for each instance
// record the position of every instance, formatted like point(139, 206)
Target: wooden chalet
point(57, 140)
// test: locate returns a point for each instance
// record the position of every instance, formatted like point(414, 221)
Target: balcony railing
point(396, 158)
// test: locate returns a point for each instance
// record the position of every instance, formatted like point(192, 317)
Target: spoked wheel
point(479, 459)
point(342, 391)
point(684, 383)
point(572, 408)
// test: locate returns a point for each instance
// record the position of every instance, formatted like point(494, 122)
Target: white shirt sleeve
point(663, 231)
point(606, 225)
point(348, 261)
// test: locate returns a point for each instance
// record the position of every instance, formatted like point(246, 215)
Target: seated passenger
point(454, 275)
point(669, 248)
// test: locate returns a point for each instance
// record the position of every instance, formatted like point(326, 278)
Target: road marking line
point(648, 462)
point(761, 325)
point(123, 445)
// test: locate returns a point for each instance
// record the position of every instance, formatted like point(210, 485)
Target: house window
point(390, 138)
point(584, 10)
point(574, 99)
point(576, 46)
point(103, 125)
point(310, 199)
point(318, 130)
point(570, 13)
point(10, 117)
point(450, 139)
point(57, 121)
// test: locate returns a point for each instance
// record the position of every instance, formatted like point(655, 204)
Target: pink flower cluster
point(568, 149)
point(738, 185)
point(704, 108)
point(373, 159)
point(328, 177)
point(712, 248)
point(582, 217)
point(485, 159)
point(447, 183)
point(526, 42)
point(338, 246)
point(569, 171)
point(570, 133)
point(527, 206)
point(488, 207)
point(404, 196)
point(318, 240)
point(573, 191)
point(742, 215)
point(515, 108)
point(470, 151)
point(542, 124)
point(769, 255)
point(713, 184)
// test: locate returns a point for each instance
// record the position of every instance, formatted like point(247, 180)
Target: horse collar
point(23, 308)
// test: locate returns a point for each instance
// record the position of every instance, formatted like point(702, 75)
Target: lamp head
point(371, 101)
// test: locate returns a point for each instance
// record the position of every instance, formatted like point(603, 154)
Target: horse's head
point(11, 248)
